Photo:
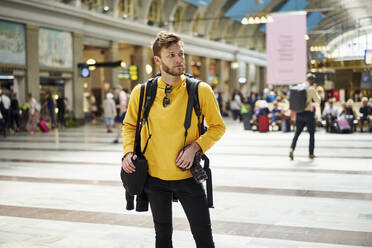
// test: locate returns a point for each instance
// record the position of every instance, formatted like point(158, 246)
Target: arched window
point(214, 33)
point(196, 26)
point(126, 8)
point(229, 36)
point(154, 16)
point(178, 18)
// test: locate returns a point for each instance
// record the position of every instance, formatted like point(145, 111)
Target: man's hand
point(186, 156)
point(127, 162)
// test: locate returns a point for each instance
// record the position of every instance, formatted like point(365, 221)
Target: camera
point(197, 170)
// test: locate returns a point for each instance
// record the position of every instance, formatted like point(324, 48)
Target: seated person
point(330, 114)
point(348, 112)
point(275, 114)
point(366, 112)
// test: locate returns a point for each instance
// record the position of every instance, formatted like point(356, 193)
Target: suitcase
point(297, 99)
point(43, 126)
point(263, 123)
point(343, 125)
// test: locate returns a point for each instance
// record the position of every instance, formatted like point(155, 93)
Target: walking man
point(307, 117)
point(166, 153)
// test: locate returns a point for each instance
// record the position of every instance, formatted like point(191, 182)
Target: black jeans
point(303, 119)
point(193, 199)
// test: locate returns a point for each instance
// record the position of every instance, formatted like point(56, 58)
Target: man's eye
point(171, 55)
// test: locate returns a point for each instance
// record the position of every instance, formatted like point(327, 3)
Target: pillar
point(77, 80)
point(188, 66)
point(141, 54)
point(32, 61)
point(111, 73)
point(204, 69)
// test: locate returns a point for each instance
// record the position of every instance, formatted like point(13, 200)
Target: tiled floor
point(62, 189)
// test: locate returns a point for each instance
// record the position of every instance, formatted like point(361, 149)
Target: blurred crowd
point(270, 111)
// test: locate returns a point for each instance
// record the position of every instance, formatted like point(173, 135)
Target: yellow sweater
point(166, 126)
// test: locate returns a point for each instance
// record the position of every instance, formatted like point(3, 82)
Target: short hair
point(164, 39)
point(310, 76)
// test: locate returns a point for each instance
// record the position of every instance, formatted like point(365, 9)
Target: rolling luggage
point(263, 123)
point(343, 125)
point(43, 126)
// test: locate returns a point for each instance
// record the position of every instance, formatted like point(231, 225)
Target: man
point(166, 153)
point(121, 102)
point(330, 114)
point(366, 112)
point(5, 110)
point(307, 117)
point(50, 104)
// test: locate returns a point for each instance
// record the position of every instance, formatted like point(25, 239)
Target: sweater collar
point(162, 85)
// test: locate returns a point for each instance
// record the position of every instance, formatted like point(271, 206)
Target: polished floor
point(62, 189)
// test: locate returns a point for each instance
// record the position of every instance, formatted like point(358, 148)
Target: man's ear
point(157, 60)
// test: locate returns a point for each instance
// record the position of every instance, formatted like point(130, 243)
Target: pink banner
point(286, 49)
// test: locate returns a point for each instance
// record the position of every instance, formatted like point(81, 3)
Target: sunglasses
point(166, 100)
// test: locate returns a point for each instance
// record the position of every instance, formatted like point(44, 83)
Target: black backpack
point(193, 103)
point(297, 99)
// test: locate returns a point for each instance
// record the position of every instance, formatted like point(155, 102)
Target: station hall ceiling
point(326, 19)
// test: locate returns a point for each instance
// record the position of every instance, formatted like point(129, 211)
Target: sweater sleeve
point(130, 121)
point(210, 110)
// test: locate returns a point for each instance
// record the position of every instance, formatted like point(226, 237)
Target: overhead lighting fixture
point(256, 20)
point(148, 69)
point(244, 20)
point(123, 64)
point(251, 20)
point(91, 61)
point(6, 77)
point(106, 8)
point(307, 37)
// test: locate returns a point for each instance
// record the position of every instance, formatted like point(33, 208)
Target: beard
point(176, 71)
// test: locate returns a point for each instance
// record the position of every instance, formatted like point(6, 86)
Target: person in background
point(235, 105)
point(14, 113)
point(349, 113)
point(321, 93)
point(121, 102)
point(109, 112)
point(330, 114)
point(366, 112)
point(50, 105)
point(33, 116)
point(93, 106)
point(219, 98)
point(5, 110)
point(275, 115)
point(61, 105)
point(307, 117)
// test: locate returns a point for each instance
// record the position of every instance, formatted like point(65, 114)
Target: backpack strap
point(137, 137)
point(151, 88)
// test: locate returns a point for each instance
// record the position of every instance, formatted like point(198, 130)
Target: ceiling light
point(91, 61)
point(263, 19)
point(244, 20)
point(251, 20)
point(270, 19)
point(257, 20)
